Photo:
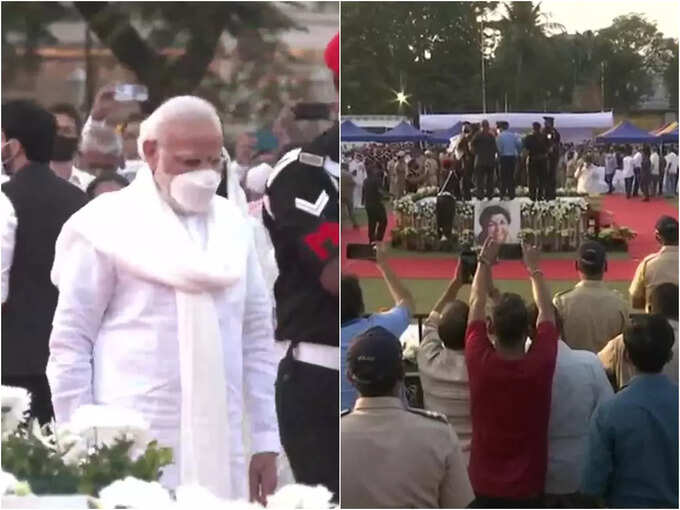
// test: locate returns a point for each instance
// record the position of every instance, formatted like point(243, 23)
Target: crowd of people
point(487, 162)
point(144, 269)
point(568, 401)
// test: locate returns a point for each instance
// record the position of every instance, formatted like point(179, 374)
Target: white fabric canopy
point(598, 120)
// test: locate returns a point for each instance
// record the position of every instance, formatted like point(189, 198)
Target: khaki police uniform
point(444, 378)
point(655, 269)
point(397, 457)
point(592, 314)
point(431, 171)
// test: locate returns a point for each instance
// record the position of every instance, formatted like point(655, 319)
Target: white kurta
point(115, 341)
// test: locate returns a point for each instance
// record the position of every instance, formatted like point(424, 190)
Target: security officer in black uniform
point(553, 139)
point(301, 213)
point(537, 147)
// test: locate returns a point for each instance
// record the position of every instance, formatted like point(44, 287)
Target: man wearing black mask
point(41, 204)
point(65, 146)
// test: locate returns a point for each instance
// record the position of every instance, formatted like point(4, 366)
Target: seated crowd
point(569, 401)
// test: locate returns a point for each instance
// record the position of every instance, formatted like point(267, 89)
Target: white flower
point(15, 404)
point(134, 493)
point(102, 425)
point(10, 485)
point(191, 497)
point(72, 446)
point(300, 496)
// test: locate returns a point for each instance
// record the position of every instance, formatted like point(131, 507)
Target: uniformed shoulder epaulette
point(428, 414)
point(345, 412)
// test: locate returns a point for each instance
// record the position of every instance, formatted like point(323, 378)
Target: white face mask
point(192, 192)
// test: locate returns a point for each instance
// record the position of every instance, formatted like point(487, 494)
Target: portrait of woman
point(497, 221)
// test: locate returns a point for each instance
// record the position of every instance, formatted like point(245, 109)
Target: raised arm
point(400, 294)
point(451, 292)
point(483, 280)
point(541, 293)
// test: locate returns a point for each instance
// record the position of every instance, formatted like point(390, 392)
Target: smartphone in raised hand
point(131, 92)
point(361, 251)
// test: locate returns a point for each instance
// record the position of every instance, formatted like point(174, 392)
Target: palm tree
point(524, 28)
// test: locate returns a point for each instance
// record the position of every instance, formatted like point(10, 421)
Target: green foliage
point(29, 459)
point(40, 464)
point(530, 61)
point(107, 464)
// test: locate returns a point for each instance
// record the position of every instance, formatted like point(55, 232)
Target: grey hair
point(179, 108)
point(101, 139)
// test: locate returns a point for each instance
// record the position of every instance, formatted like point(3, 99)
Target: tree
point(671, 74)
point(429, 50)
point(633, 50)
point(523, 51)
point(193, 27)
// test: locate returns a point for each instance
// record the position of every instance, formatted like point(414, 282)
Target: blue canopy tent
point(403, 132)
point(671, 137)
point(444, 135)
point(350, 132)
point(625, 132)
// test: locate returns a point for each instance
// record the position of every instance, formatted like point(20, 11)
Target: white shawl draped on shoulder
point(140, 233)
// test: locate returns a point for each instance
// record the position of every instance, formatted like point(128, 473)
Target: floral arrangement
point(99, 446)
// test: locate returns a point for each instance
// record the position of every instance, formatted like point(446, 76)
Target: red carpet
point(640, 217)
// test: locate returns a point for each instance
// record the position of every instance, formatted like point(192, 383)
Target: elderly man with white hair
point(163, 309)
point(100, 149)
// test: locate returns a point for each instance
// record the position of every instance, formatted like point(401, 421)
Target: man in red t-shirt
point(509, 388)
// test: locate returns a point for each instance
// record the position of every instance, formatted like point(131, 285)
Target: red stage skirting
point(639, 216)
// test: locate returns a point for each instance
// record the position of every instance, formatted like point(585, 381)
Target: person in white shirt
point(358, 171)
point(132, 160)
point(100, 149)
point(637, 169)
point(671, 184)
point(163, 309)
point(66, 145)
point(587, 177)
point(628, 171)
point(654, 178)
point(580, 384)
point(8, 227)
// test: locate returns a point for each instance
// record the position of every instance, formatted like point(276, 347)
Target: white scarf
point(137, 229)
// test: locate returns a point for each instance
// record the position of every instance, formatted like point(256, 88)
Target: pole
point(602, 66)
point(483, 67)
point(88, 70)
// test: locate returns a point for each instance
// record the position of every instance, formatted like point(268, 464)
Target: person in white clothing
point(358, 171)
point(671, 184)
point(628, 170)
point(163, 309)
point(580, 384)
point(654, 160)
point(637, 169)
point(587, 177)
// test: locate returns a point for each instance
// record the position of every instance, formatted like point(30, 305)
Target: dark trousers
point(609, 179)
point(537, 175)
point(636, 181)
point(629, 185)
point(550, 183)
point(484, 181)
point(445, 208)
point(41, 396)
point(377, 221)
point(507, 177)
point(307, 408)
point(645, 181)
point(662, 174)
point(466, 180)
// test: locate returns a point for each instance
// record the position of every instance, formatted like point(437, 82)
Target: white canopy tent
point(573, 127)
